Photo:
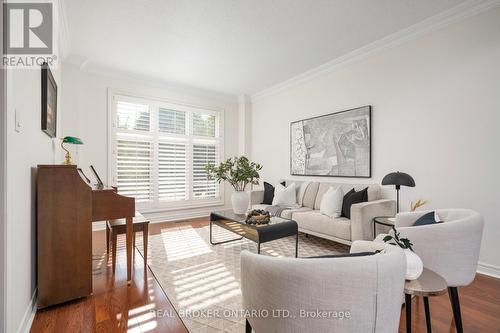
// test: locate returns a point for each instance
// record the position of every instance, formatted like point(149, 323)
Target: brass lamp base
point(67, 159)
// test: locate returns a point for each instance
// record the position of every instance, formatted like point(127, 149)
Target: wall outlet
point(17, 119)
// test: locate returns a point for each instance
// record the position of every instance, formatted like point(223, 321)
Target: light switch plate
point(17, 119)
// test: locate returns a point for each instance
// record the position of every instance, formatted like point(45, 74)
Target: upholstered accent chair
point(366, 291)
point(450, 249)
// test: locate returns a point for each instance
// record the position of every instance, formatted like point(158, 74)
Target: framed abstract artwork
point(49, 102)
point(333, 145)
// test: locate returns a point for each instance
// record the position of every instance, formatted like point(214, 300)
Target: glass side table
point(382, 220)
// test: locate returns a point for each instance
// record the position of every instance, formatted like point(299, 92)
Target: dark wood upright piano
point(66, 208)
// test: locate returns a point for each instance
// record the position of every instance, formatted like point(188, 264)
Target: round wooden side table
point(427, 285)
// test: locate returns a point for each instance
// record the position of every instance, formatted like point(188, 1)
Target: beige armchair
point(353, 294)
point(450, 249)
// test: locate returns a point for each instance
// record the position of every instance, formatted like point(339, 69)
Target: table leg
point(222, 242)
point(114, 235)
point(129, 235)
point(297, 245)
point(133, 248)
point(107, 238)
point(427, 314)
point(258, 247)
point(145, 234)
point(408, 312)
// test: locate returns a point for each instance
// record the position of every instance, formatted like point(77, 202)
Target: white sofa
point(369, 288)
point(341, 229)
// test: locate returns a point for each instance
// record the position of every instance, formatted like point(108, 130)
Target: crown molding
point(86, 65)
point(467, 9)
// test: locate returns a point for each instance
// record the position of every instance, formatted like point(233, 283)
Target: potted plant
point(239, 172)
point(414, 265)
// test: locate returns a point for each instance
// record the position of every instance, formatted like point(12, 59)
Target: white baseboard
point(487, 269)
point(168, 216)
point(178, 215)
point(96, 226)
point(29, 315)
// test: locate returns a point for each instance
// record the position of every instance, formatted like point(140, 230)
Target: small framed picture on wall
point(49, 102)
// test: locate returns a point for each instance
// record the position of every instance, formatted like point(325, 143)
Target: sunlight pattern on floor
point(200, 278)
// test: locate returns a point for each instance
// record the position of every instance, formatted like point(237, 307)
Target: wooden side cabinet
point(64, 235)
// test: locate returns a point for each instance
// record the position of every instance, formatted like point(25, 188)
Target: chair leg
point(455, 305)
point(145, 234)
point(408, 312)
point(248, 328)
point(107, 238)
point(113, 244)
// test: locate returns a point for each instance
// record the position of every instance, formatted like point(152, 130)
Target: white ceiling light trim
point(460, 12)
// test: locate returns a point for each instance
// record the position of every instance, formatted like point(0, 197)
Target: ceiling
point(232, 46)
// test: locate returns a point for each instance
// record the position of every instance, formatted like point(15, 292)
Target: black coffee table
point(277, 228)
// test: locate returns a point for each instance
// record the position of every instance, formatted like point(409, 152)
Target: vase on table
point(239, 201)
point(414, 265)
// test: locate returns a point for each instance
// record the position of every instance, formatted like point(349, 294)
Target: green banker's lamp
point(72, 140)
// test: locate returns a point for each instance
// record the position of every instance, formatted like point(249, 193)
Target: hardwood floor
point(116, 307)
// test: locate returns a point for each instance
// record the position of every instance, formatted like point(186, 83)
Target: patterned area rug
point(202, 281)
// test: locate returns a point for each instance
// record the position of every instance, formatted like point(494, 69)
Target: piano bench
point(119, 226)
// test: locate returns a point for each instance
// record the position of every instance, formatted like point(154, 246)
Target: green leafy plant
point(237, 171)
point(403, 243)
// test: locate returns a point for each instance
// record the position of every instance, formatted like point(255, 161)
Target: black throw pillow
point(352, 197)
point(426, 219)
point(269, 193)
point(344, 200)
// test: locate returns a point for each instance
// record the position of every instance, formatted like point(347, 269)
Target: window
point(160, 150)
point(202, 186)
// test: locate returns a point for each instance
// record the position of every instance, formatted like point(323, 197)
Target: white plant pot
point(414, 265)
point(240, 200)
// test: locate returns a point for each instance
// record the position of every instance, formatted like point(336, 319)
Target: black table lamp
point(398, 179)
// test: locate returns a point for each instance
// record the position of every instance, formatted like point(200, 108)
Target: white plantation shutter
point(172, 171)
point(204, 124)
point(132, 116)
point(160, 151)
point(202, 186)
point(133, 168)
point(172, 121)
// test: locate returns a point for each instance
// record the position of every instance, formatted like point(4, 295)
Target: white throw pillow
point(301, 191)
point(285, 196)
point(331, 204)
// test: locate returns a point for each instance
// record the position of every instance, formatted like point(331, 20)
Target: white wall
point(86, 99)
point(25, 150)
point(3, 162)
point(436, 112)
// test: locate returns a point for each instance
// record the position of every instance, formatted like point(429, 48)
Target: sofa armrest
point(362, 215)
point(256, 197)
